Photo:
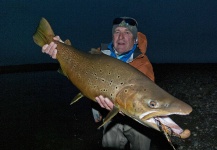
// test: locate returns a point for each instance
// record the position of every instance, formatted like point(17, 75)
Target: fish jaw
point(164, 124)
point(157, 118)
point(160, 122)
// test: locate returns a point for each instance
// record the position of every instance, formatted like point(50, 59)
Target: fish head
point(151, 106)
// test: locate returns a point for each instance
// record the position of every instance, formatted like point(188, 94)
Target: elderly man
point(128, 45)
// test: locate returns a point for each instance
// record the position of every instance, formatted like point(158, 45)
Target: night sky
point(178, 31)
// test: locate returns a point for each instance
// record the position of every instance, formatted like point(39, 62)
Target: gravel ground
point(196, 85)
point(35, 111)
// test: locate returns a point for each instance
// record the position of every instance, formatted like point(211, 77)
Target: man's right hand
point(50, 49)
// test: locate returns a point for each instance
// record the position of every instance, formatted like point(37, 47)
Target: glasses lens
point(130, 21)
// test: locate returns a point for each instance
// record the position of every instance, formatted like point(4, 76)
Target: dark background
point(178, 31)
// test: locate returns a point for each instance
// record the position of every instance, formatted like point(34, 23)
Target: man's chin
point(121, 49)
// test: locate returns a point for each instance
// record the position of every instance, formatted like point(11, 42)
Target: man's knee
point(137, 140)
point(114, 138)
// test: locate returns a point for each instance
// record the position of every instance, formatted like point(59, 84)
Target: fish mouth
point(166, 125)
point(169, 127)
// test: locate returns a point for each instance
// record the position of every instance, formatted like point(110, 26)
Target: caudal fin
point(44, 33)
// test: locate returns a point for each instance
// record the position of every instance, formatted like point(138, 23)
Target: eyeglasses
point(129, 21)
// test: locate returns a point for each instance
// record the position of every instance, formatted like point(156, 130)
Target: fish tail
point(44, 33)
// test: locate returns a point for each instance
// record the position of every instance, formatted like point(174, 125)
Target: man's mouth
point(121, 43)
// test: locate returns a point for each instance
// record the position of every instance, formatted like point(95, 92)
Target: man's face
point(123, 40)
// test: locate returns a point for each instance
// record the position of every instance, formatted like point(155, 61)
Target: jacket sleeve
point(143, 64)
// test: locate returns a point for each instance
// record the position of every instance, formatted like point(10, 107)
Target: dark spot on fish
point(118, 76)
point(103, 80)
point(126, 91)
point(122, 83)
point(103, 90)
point(109, 73)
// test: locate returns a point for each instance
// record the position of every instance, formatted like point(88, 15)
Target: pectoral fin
point(110, 115)
point(76, 98)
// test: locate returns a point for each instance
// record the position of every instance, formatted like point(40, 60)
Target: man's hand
point(50, 49)
point(104, 102)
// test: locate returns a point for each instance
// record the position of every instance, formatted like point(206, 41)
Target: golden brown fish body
point(130, 90)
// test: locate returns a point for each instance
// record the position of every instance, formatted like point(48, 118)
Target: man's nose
point(121, 36)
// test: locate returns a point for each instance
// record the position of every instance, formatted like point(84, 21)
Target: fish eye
point(152, 104)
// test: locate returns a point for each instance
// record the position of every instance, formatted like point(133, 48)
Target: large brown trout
point(132, 93)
